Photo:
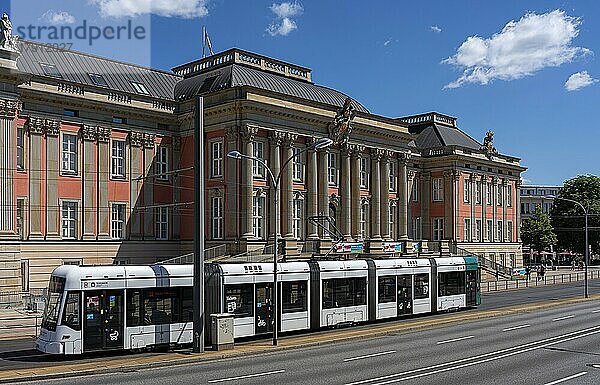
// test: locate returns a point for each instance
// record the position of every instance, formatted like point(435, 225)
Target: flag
point(207, 42)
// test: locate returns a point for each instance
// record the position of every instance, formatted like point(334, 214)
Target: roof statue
point(488, 144)
point(340, 128)
point(7, 40)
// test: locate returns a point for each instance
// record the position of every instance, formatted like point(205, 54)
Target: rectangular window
point(162, 163)
point(509, 196)
point(70, 113)
point(72, 312)
point(50, 70)
point(364, 172)
point(119, 120)
point(297, 218)
point(387, 289)
point(69, 154)
point(363, 221)
point(417, 231)
point(239, 300)
point(161, 221)
point(118, 159)
point(499, 189)
point(499, 228)
point(258, 216)
point(438, 229)
point(415, 190)
point(20, 148)
point(217, 217)
point(467, 191)
point(393, 175)
point(478, 192)
point(467, 233)
point(391, 222)
point(509, 231)
point(161, 305)
point(421, 286)
point(140, 88)
point(69, 220)
point(294, 296)
point(117, 223)
point(216, 161)
point(258, 151)
point(298, 165)
point(343, 292)
point(438, 189)
point(478, 232)
point(451, 283)
point(488, 193)
point(522, 208)
point(332, 168)
point(134, 307)
point(20, 218)
point(490, 230)
point(98, 80)
point(24, 275)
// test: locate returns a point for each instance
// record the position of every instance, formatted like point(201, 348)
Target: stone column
point(494, 208)
point(503, 186)
point(385, 195)
point(376, 156)
point(472, 200)
point(483, 182)
point(287, 186)
point(103, 176)
point(176, 144)
point(8, 111)
point(232, 197)
point(89, 173)
point(455, 203)
point(53, 151)
point(311, 187)
point(345, 187)
point(136, 140)
point(355, 190)
point(148, 188)
point(248, 133)
point(403, 194)
point(35, 127)
point(276, 139)
point(425, 204)
point(323, 186)
point(410, 179)
point(518, 208)
point(448, 204)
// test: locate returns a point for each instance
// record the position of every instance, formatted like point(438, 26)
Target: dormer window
point(50, 70)
point(98, 80)
point(140, 88)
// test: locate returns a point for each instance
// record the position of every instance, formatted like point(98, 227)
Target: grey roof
point(235, 75)
point(439, 135)
point(76, 66)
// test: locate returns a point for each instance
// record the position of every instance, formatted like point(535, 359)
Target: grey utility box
point(221, 331)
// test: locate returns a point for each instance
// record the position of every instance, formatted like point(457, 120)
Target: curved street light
point(234, 154)
point(587, 246)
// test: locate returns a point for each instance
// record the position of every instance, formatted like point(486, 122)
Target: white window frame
point(20, 148)
point(437, 186)
point(499, 195)
point(478, 233)
point(118, 161)
point(509, 231)
point(216, 158)
point(364, 172)
point(69, 218)
point(297, 165)
point(393, 178)
point(161, 223)
point(332, 177)
point(117, 220)
point(69, 155)
point(258, 216)
point(216, 212)
point(162, 163)
point(297, 211)
point(467, 191)
point(488, 193)
point(417, 228)
point(415, 190)
point(258, 151)
point(500, 231)
point(363, 221)
point(489, 230)
point(391, 221)
point(20, 214)
point(478, 192)
point(438, 229)
point(467, 232)
point(509, 196)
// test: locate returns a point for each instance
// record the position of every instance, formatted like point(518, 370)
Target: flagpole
point(203, 40)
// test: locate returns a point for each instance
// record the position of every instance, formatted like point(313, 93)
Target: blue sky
point(396, 57)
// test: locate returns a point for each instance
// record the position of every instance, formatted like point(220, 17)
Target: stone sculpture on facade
point(340, 128)
point(7, 40)
point(488, 144)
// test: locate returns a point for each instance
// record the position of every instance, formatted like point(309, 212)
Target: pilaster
point(346, 202)
point(35, 128)
point(247, 133)
point(276, 140)
point(147, 186)
point(312, 190)
point(90, 207)
point(288, 188)
point(51, 129)
point(136, 140)
point(8, 111)
point(176, 145)
point(403, 195)
point(232, 197)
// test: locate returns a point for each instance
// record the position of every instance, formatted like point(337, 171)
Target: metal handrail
point(554, 279)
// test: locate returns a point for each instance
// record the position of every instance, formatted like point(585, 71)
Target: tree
point(537, 231)
point(568, 218)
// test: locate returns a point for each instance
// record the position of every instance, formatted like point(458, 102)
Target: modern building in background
point(97, 159)
point(534, 196)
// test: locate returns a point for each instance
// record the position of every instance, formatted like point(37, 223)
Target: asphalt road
point(18, 354)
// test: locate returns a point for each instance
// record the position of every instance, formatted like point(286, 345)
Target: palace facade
point(97, 166)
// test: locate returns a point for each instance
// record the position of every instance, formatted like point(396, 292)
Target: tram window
point(55, 292)
point(387, 289)
point(239, 300)
point(294, 296)
point(421, 286)
point(161, 306)
point(134, 308)
point(344, 292)
point(452, 283)
point(72, 312)
point(187, 304)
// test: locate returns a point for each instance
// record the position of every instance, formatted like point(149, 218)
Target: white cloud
point(168, 8)
point(579, 80)
point(522, 48)
point(435, 28)
point(57, 17)
point(284, 24)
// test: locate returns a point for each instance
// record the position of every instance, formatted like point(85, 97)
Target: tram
point(97, 308)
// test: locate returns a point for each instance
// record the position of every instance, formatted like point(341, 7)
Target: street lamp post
point(587, 246)
point(318, 144)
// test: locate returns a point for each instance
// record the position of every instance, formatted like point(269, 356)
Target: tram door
point(263, 316)
point(405, 305)
point(472, 287)
point(103, 320)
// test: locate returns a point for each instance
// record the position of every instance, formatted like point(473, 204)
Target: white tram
point(134, 307)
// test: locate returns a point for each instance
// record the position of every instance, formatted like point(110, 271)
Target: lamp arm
point(264, 164)
point(291, 158)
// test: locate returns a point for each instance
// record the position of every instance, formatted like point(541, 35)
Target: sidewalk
point(263, 347)
point(15, 323)
point(550, 278)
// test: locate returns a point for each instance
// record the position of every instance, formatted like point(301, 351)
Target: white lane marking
point(369, 356)
point(247, 376)
point(563, 318)
point(516, 328)
point(533, 346)
point(596, 311)
point(567, 378)
point(454, 340)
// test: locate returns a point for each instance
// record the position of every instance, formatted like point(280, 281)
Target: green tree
point(537, 231)
point(568, 218)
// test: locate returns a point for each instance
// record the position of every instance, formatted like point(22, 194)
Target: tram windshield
point(55, 292)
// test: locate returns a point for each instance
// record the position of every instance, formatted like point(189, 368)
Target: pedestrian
point(542, 272)
point(573, 265)
point(528, 272)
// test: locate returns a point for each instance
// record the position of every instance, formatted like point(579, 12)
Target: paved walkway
point(16, 323)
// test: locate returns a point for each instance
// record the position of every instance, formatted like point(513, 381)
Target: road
point(459, 354)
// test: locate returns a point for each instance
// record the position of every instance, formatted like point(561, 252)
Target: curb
point(344, 336)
